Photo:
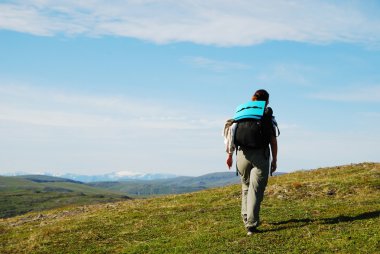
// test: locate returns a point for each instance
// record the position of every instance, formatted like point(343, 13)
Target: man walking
point(252, 136)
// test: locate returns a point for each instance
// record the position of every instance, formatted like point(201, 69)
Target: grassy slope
point(19, 195)
point(334, 210)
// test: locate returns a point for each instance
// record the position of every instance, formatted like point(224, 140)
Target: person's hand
point(229, 161)
point(273, 166)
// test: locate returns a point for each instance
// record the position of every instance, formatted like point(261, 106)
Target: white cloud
point(351, 94)
point(215, 65)
point(29, 105)
point(60, 130)
point(294, 74)
point(217, 22)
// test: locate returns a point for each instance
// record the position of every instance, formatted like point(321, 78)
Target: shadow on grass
point(334, 220)
point(363, 216)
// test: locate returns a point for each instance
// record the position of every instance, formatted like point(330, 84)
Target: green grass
point(335, 210)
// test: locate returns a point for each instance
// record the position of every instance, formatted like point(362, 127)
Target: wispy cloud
point(350, 94)
point(65, 130)
point(218, 22)
point(215, 65)
point(294, 74)
point(29, 105)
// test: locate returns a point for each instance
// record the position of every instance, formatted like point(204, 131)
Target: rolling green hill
point(23, 194)
point(46, 179)
point(331, 210)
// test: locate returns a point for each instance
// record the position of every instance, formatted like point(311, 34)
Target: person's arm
point(230, 145)
point(274, 148)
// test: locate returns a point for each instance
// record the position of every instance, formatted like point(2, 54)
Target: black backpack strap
point(276, 126)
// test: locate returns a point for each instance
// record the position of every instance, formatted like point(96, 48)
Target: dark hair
point(261, 95)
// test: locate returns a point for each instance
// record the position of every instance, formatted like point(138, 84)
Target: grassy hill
point(333, 210)
point(46, 179)
point(27, 193)
point(177, 185)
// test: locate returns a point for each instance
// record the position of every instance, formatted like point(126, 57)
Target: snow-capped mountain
point(117, 176)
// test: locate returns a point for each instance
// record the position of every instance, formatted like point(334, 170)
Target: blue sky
point(146, 86)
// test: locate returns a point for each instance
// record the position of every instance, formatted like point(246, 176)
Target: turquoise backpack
point(251, 109)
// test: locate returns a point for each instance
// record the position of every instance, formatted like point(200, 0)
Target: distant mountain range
point(222, 178)
point(176, 185)
point(113, 176)
point(117, 176)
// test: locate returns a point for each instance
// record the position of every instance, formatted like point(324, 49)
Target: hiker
point(252, 157)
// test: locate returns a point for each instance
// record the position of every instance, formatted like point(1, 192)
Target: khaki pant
point(253, 166)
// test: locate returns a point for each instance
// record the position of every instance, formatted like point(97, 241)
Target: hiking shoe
point(251, 230)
